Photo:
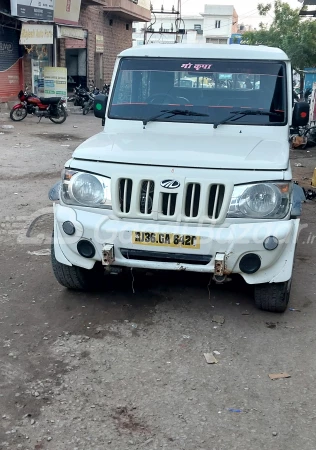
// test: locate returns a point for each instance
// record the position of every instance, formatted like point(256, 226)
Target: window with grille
point(216, 41)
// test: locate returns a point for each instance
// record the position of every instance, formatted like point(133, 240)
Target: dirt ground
point(117, 370)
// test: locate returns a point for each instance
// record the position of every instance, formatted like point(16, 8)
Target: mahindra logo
point(170, 184)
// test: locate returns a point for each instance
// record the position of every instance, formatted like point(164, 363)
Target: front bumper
point(233, 240)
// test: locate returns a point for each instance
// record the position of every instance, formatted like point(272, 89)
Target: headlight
point(261, 201)
point(85, 189)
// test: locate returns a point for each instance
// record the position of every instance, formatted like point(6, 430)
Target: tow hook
point(108, 257)
point(220, 268)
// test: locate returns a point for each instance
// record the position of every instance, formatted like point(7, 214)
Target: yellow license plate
point(166, 240)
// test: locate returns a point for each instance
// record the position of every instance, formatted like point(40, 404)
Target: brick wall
point(61, 53)
point(116, 39)
point(115, 34)
point(27, 70)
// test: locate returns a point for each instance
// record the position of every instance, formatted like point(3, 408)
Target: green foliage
point(288, 31)
point(264, 9)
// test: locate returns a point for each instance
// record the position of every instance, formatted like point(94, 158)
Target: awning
point(70, 32)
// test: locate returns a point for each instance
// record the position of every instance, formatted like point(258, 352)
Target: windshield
point(146, 86)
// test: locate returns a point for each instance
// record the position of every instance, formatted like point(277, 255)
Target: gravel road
point(117, 370)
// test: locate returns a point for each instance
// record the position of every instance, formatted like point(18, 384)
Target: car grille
point(146, 197)
point(192, 200)
point(184, 258)
point(125, 194)
point(168, 204)
point(148, 200)
point(215, 200)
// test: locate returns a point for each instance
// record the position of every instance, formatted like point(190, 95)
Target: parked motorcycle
point(53, 108)
point(301, 94)
point(85, 97)
point(106, 89)
point(80, 96)
point(308, 95)
point(88, 104)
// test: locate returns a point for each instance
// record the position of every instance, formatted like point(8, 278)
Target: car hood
point(196, 151)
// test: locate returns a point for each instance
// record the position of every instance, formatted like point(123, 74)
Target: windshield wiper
point(247, 112)
point(174, 112)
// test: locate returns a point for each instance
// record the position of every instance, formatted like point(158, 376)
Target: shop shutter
point(10, 64)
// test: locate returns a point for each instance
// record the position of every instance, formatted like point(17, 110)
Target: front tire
point(77, 278)
point(18, 114)
point(62, 116)
point(273, 297)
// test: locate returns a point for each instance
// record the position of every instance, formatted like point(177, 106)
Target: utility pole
point(178, 20)
point(145, 33)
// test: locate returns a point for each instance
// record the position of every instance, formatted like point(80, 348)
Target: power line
point(224, 22)
point(179, 19)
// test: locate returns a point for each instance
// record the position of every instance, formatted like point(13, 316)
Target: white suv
point(186, 177)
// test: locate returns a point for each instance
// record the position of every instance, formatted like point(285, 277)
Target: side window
point(145, 85)
point(124, 94)
point(251, 82)
point(134, 87)
point(225, 81)
point(233, 81)
point(217, 23)
point(194, 81)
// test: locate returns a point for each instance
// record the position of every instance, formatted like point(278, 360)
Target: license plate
point(166, 240)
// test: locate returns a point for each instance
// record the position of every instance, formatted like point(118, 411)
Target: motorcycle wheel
point(85, 110)
point(62, 116)
point(18, 114)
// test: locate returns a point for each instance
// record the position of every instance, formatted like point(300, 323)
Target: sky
point(246, 9)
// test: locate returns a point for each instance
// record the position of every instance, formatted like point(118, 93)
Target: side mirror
point(54, 192)
point(99, 107)
point(300, 114)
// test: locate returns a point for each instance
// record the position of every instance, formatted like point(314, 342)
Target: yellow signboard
point(36, 34)
point(99, 43)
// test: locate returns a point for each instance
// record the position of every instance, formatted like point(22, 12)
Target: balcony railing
point(94, 2)
point(128, 10)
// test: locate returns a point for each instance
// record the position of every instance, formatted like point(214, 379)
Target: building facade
point(84, 36)
point(11, 54)
point(220, 22)
point(215, 25)
point(107, 28)
point(308, 12)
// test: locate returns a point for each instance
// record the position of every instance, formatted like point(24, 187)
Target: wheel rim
point(60, 117)
point(19, 114)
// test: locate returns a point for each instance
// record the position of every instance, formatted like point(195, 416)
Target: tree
point(288, 31)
